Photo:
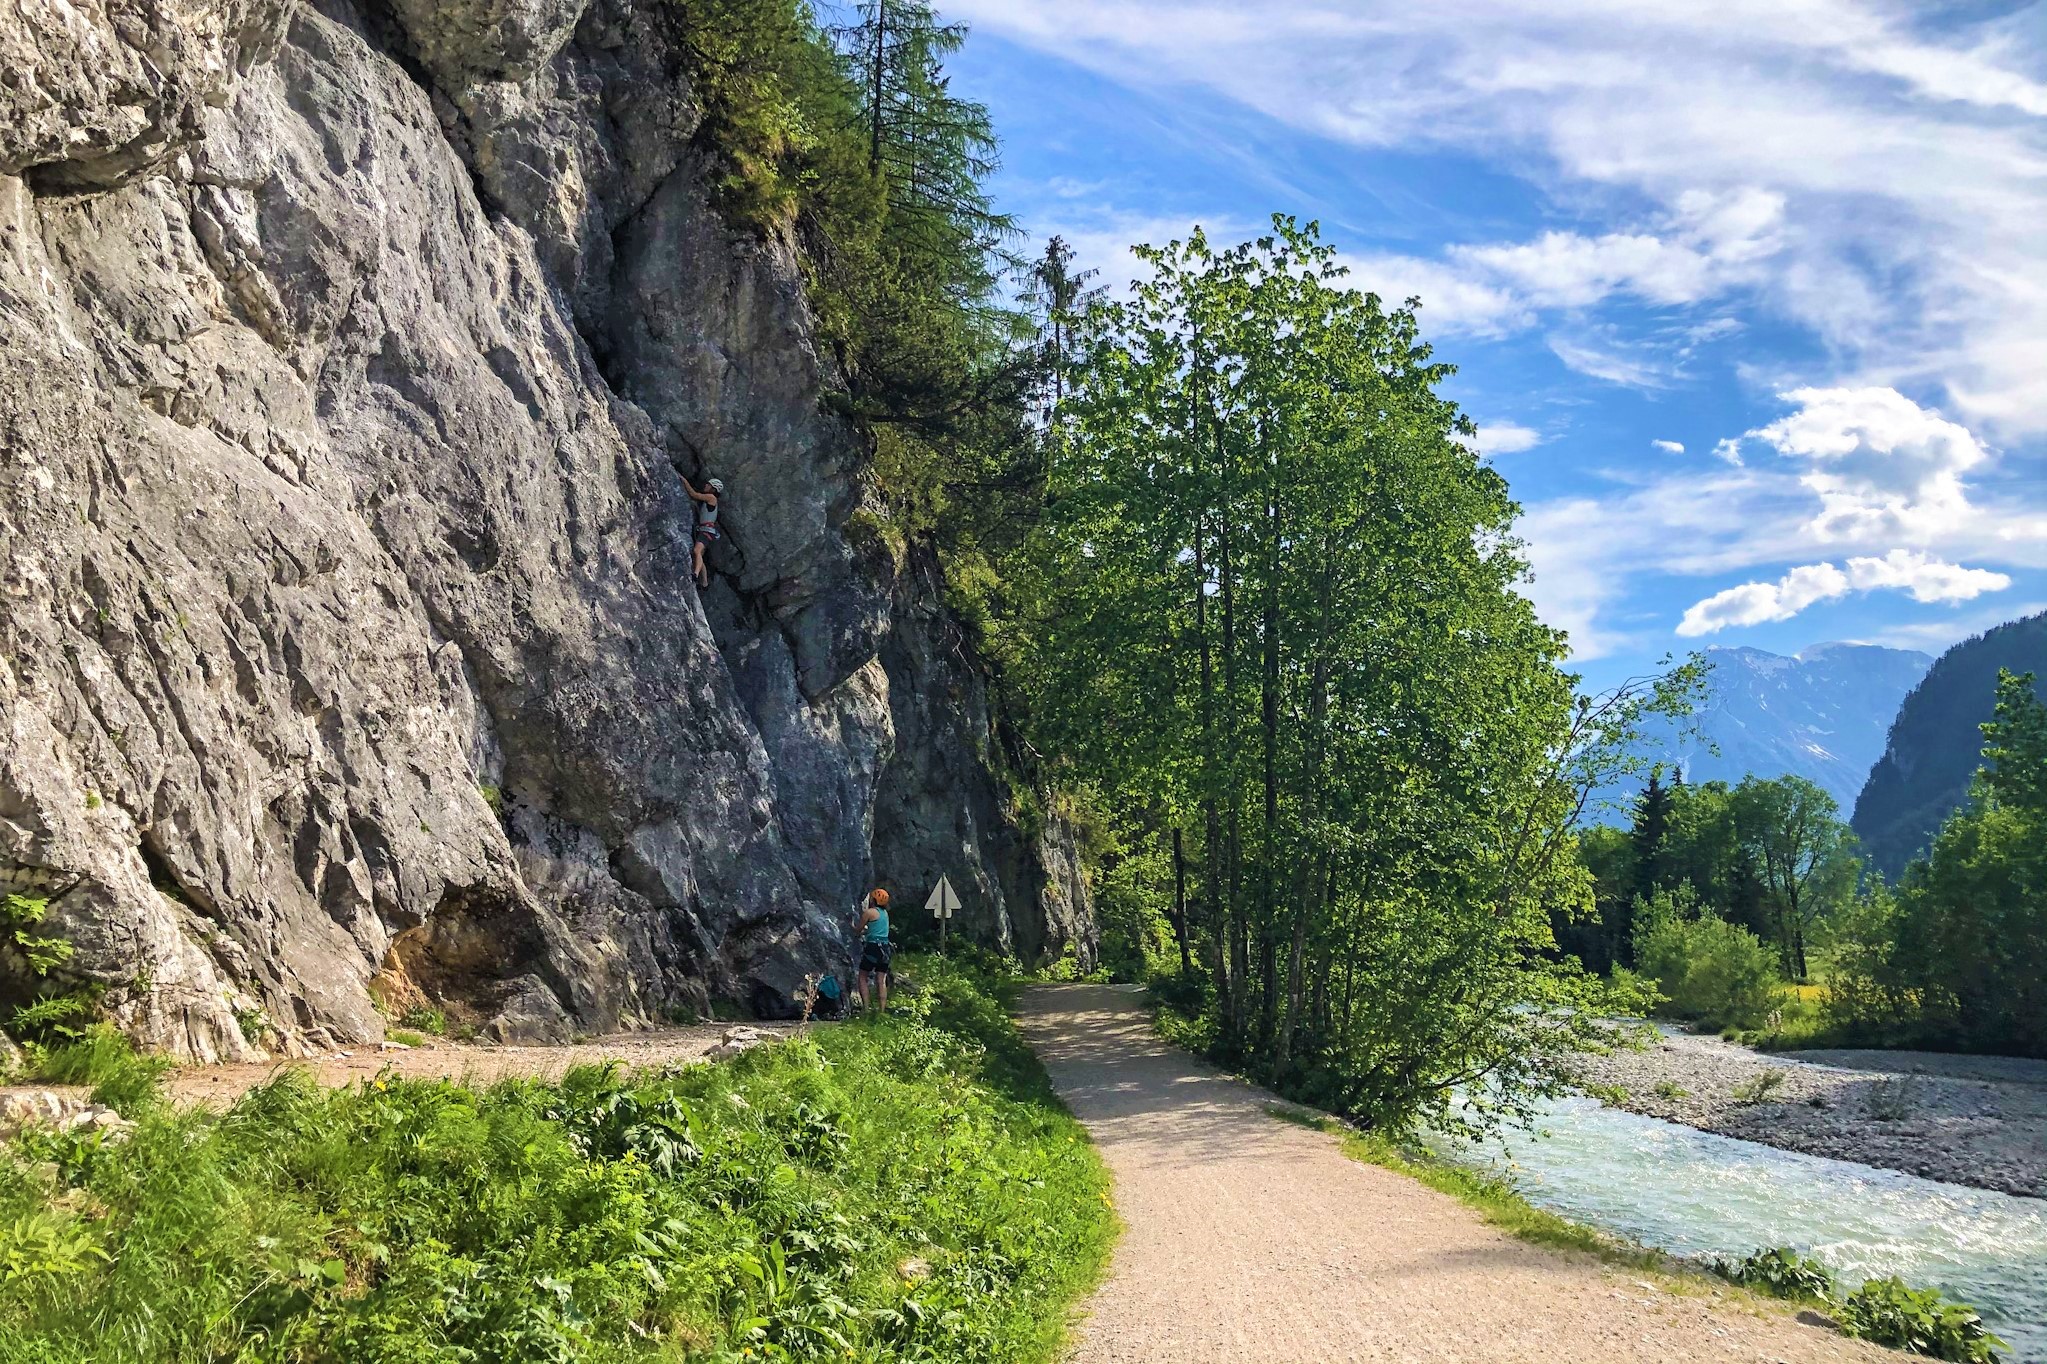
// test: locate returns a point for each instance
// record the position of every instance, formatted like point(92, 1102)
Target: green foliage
point(425, 1018)
point(1770, 856)
point(1270, 606)
point(1782, 1273)
point(50, 1014)
point(19, 916)
point(1671, 1090)
point(1706, 969)
point(1760, 1090)
point(103, 1058)
point(1613, 1096)
point(1955, 954)
point(1919, 1322)
point(761, 1209)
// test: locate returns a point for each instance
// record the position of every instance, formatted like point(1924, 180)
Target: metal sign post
point(942, 902)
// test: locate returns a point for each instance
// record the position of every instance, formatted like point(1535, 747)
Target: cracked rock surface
point(350, 362)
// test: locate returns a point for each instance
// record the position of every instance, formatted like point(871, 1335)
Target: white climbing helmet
point(716, 485)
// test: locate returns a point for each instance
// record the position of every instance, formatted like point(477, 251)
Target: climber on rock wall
point(707, 525)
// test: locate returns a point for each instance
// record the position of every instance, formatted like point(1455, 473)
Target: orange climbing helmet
point(880, 897)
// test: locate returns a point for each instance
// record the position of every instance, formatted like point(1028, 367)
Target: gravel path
point(1252, 1239)
point(1978, 1120)
point(223, 1084)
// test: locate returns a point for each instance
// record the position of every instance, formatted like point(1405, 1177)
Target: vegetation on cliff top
point(903, 1190)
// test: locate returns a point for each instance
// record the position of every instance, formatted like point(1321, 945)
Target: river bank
point(1979, 1121)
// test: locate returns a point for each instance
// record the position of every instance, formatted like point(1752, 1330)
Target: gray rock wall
point(349, 362)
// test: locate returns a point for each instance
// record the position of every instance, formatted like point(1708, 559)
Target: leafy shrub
point(1918, 1321)
point(422, 1018)
point(1613, 1096)
point(1782, 1273)
point(1759, 1090)
point(1671, 1090)
point(1708, 970)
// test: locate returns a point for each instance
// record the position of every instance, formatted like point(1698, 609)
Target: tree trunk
point(877, 86)
point(1180, 902)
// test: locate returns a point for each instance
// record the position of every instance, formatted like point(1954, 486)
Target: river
point(1696, 1193)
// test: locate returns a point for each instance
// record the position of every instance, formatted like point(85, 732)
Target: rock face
point(350, 360)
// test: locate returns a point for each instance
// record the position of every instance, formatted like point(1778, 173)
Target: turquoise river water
point(1696, 1193)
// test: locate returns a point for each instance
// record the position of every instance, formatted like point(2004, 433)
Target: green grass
point(892, 1190)
point(1499, 1203)
point(101, 1059)
point(421, 1018)
point(405, 1037)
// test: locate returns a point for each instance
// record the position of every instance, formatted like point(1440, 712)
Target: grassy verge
point(1495, 1199)
point(900, 1190)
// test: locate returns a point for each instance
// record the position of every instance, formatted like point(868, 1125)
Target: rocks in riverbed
point(1962, 1130)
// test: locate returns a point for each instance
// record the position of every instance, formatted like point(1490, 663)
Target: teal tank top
point(878, 930)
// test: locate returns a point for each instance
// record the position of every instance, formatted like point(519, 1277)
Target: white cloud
point(1874, 176)
point(1881, 464)
point(1668, 447)
point(1507, 438)
point(1728, 450)
point(1754, 603)
point(1611, 363)
point(1928, 580)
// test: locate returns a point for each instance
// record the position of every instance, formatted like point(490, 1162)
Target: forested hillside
point(1924, 773)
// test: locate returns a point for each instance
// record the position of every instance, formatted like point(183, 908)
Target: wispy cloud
point(1876, 179)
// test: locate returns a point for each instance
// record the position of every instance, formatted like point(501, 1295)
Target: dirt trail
point(1249, 1238)
point(221, 1085)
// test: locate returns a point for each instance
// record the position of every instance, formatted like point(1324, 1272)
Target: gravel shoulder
point(1976, 1120)
point(1251, 1239)
point(220, 1085)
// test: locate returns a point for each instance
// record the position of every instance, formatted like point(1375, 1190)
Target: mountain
point(1820, 714)
point(352, 357)
point(1937, 740)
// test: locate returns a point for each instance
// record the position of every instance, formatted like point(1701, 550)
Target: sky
point(1748, 299)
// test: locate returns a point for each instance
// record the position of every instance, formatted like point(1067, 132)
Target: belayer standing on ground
point(876, 951)
point(707, 525)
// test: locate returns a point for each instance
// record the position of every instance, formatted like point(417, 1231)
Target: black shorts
point(874, 958)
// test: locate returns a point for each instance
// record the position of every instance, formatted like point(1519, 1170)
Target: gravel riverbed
point(1973, 1120)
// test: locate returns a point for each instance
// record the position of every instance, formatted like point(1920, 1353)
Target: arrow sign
point(944, 900)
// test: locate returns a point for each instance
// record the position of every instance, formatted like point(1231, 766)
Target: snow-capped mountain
point(1821, 714)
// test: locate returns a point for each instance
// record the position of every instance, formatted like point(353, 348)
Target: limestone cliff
point(350, 359)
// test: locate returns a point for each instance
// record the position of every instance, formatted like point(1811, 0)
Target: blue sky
point(1803, 240)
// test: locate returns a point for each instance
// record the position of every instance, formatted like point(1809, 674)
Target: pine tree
point(1651, 835)
point(1061, 297)
point(931, 149)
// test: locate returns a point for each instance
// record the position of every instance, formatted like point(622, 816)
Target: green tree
point(1957, 956)
point(1705, 968)
point(1272, 594)
point(1803, 855)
